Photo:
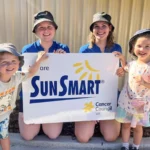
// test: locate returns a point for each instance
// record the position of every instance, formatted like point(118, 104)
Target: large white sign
point(71, 87)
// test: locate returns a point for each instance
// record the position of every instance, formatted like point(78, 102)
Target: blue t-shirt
point(96, 49)
point(35, 48)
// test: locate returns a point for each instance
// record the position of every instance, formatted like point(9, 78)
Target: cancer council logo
point(86, 71)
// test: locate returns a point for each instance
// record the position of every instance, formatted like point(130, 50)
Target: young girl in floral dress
point(134, 101)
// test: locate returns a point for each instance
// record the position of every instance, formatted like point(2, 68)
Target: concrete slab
point(67, 143)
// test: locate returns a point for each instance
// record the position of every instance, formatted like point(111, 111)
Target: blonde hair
point(110, 40)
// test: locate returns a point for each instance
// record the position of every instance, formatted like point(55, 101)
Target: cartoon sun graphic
point(88, 107)
point(89, 73)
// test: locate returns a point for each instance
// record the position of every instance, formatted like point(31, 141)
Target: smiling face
point(9, 64)
point(101, 30)
point(142, 49)
point(45, 31)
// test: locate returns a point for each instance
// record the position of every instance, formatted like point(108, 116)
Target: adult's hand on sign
point(60, 51)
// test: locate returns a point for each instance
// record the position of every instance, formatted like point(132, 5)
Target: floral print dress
point(132, 90)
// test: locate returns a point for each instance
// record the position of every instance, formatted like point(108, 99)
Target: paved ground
point(21, 147)
point(66, 143)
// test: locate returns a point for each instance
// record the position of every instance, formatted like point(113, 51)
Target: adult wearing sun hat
point(101, 17)
point(100, 41)
point(44, 28)
point(41, 17)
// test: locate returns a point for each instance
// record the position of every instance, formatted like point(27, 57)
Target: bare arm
point(120, 71)
point(121, 58)
point(34, 68)
point(146, 84)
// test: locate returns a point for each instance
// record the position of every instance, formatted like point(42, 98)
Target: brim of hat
point(91, 26)
point(11, 51)
point(42, 20)
point(133, 39)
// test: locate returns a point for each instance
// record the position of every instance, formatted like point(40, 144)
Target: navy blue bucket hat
point(41, 17)
point(101, 17)
point(10, 48)
point(135, 36)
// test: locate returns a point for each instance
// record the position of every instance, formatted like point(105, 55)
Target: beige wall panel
point(136, 16)
point(32, 8)
point(8, 15)
point(114, 8)
point(121, 22)
point(146, 15)
point(49, 5)
point(124, 20)
point(2, 22)
point(73, 18)
point(102, 5)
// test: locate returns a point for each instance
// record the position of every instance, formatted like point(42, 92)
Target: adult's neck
point(46, 45)
point(101, 44)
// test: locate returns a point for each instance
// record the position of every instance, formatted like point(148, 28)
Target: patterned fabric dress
point(126, 112)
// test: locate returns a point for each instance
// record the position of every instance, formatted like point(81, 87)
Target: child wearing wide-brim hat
point(10, 78)
point(134, 101)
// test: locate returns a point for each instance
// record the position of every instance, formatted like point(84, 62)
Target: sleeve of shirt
point(83, 48)
point(66, 48)
point(80, 50)
point(24, 50)
point(119, 49)
point(61, 46)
